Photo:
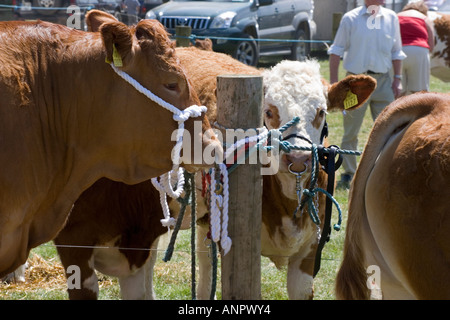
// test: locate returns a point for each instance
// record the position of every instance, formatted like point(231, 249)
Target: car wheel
point(300, 50)
point(247, 52)
point(47, 6)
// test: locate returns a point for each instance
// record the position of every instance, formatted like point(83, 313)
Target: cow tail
point(351, 278)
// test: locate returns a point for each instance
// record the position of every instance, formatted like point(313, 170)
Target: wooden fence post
point(183, 31)
point(239, 101)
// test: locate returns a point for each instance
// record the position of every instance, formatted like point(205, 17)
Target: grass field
point(173, 279)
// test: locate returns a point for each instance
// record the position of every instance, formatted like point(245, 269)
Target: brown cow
point(67, 119)
point(399, 216)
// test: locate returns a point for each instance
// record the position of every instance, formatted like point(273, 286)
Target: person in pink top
point(416, 30)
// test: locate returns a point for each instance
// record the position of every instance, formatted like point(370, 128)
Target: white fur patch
point(111, 261)
point(296, 89)
point(91, 283)
point(288, 240)
point(299, 284)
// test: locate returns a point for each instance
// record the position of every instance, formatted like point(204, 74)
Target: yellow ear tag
point(351, 100)
point(117, 59)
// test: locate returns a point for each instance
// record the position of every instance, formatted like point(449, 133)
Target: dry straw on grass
point(44, 276)
point(40, 274)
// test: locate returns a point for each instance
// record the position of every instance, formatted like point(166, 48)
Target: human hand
point(397, 87)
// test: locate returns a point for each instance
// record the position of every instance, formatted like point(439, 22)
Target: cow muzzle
point(296, 162)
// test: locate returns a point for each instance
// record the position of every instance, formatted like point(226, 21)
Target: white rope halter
point(165, 187)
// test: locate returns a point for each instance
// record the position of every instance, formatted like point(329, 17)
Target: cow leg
point(299, 277)
point(149, 266)
point(86, 286)
point(139, 285)
point(132, 287)
point(17, 276)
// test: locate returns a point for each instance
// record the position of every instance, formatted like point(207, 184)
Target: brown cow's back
point(203, 67)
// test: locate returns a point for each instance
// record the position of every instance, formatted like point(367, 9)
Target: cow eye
point(322, 113)
point(269, 114)
point(172, 86)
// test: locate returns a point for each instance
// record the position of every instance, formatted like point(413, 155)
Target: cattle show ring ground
point(45, 278)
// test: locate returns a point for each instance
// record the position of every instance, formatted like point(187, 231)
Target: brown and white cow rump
point(125, 221)
point(67, 120)
point(398, 228)
point(440, 57)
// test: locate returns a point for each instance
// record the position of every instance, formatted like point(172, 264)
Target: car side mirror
point(264, 2)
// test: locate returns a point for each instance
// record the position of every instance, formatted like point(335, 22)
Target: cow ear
point(117, 40)
point(95, 18)
point(151, 34)
point(351, 92)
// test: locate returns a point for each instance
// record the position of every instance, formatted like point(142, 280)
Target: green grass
point(173, 279)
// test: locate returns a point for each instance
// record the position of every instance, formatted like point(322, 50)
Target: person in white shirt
point(368, 39)
point(133, 7)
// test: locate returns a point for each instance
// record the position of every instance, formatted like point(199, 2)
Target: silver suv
point(246, 29)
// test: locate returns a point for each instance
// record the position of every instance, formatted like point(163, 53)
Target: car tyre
point(300, 50)
point(47, 4)
point(247, 52)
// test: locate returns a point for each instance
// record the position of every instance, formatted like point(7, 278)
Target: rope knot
point(192, 111)
point(309, 193)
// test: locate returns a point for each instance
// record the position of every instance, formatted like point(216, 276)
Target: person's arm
point(397, 81)
point(430, 32)
point(334, 68)
point(397, 56)
point(337, 49)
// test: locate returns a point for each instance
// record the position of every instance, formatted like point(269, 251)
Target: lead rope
point(219, 204)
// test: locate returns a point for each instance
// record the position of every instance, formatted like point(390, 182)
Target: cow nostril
point(295, 167)
point(298, 162)
point(298, 173)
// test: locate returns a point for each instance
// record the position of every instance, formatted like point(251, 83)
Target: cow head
point(296, 89)
point(146, 53)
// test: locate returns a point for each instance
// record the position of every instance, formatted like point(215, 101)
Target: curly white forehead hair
point(295, 88)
